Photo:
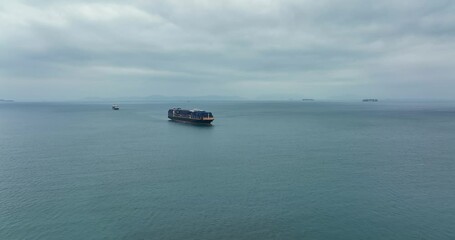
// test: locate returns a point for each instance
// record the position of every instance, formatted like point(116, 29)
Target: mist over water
point(264, 170)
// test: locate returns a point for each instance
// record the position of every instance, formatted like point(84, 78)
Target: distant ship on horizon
point(370, 100)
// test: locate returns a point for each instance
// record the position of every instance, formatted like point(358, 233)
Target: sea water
point(263, 170)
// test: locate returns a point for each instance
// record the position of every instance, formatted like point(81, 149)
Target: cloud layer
point(276, 49)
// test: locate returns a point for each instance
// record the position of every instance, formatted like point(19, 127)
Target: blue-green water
point(264, 170)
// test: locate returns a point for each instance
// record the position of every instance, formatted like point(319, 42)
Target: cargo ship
point(190, 116)
point(370, 100)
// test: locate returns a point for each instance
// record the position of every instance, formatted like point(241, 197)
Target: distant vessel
point(6, 100)
point(192, 116)
point(307, 100)
point(115, 107)
point(370, 100)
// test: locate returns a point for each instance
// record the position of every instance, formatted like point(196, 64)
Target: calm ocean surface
point(264, 170)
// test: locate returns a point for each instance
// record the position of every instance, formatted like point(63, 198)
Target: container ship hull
point(189, 120)
point(190, 116)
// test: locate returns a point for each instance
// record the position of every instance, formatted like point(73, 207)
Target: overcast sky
point(64, 50)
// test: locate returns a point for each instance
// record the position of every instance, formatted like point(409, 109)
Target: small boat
point(115, 107)
point(191, 116)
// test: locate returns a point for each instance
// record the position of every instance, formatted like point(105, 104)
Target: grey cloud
point(245, 48)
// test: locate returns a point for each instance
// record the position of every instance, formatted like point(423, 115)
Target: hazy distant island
point(6, 100)
point(168, 98)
